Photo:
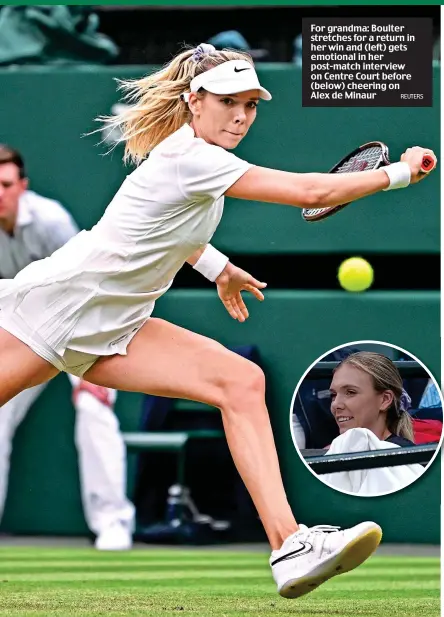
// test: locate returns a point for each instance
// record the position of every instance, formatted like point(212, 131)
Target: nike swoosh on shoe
point(304, 549)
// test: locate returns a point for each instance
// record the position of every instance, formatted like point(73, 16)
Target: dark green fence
point(48, 111)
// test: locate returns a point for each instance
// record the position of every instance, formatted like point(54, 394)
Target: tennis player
point(86, 309)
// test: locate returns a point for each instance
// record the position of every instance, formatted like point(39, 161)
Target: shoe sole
point(114, 548)
point(349, 558)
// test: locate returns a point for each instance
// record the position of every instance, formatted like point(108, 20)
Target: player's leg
point(11, 415)
point(20, 367)
point(102, 466)
point(166, 360)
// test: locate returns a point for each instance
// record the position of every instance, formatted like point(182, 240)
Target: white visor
point(229, 78)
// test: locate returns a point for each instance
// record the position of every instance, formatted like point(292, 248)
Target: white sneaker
point(311, 556)
point(116, 537)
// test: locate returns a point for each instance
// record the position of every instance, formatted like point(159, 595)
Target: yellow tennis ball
point(355, 274)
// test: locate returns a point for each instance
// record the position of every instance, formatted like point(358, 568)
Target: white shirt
point(368, 482)
point(42, 226)
point(110, 276)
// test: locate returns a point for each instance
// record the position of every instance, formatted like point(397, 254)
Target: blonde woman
point(370, 406)
point(367, 392)
point(86, 309)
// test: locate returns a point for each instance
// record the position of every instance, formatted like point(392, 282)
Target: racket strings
point(370, 158)
point(312, 211)
point(367, 159)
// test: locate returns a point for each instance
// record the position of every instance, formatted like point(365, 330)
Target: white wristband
point(211, 263)
point(399, 175)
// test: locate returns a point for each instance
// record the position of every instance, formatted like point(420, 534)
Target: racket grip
point(428, 163)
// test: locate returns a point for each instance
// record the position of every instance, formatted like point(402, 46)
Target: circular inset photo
point(366, 418)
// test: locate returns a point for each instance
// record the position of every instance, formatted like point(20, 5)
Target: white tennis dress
point(93, 294)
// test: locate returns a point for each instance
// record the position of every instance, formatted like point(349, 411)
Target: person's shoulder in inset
point(400, 441)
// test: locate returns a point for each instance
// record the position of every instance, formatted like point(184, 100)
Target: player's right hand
point(413, 157)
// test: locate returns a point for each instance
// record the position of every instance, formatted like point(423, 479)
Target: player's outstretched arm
point(320, 190)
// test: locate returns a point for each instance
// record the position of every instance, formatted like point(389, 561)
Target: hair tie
point(404, 402)
point(202, 50)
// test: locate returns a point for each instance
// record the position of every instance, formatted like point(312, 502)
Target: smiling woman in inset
point(367, 392)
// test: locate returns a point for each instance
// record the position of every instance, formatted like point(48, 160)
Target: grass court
point(160, 583)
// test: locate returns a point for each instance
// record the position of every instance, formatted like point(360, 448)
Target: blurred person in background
point(32, 227)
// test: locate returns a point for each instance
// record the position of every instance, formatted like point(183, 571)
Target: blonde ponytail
point(402, 426)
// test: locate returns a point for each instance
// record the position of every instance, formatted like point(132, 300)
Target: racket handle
point(428, 163)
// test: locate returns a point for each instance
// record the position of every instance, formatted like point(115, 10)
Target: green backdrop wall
point(48, 111)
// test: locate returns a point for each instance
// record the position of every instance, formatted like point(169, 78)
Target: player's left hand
point(230, 282)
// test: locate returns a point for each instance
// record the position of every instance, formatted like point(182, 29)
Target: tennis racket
point(371, 155)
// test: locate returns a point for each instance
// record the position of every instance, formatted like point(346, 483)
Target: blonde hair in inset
point(385, 376)
point(155, 108)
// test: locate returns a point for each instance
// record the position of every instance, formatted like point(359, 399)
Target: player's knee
point(244, 386)
point(230, 379)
